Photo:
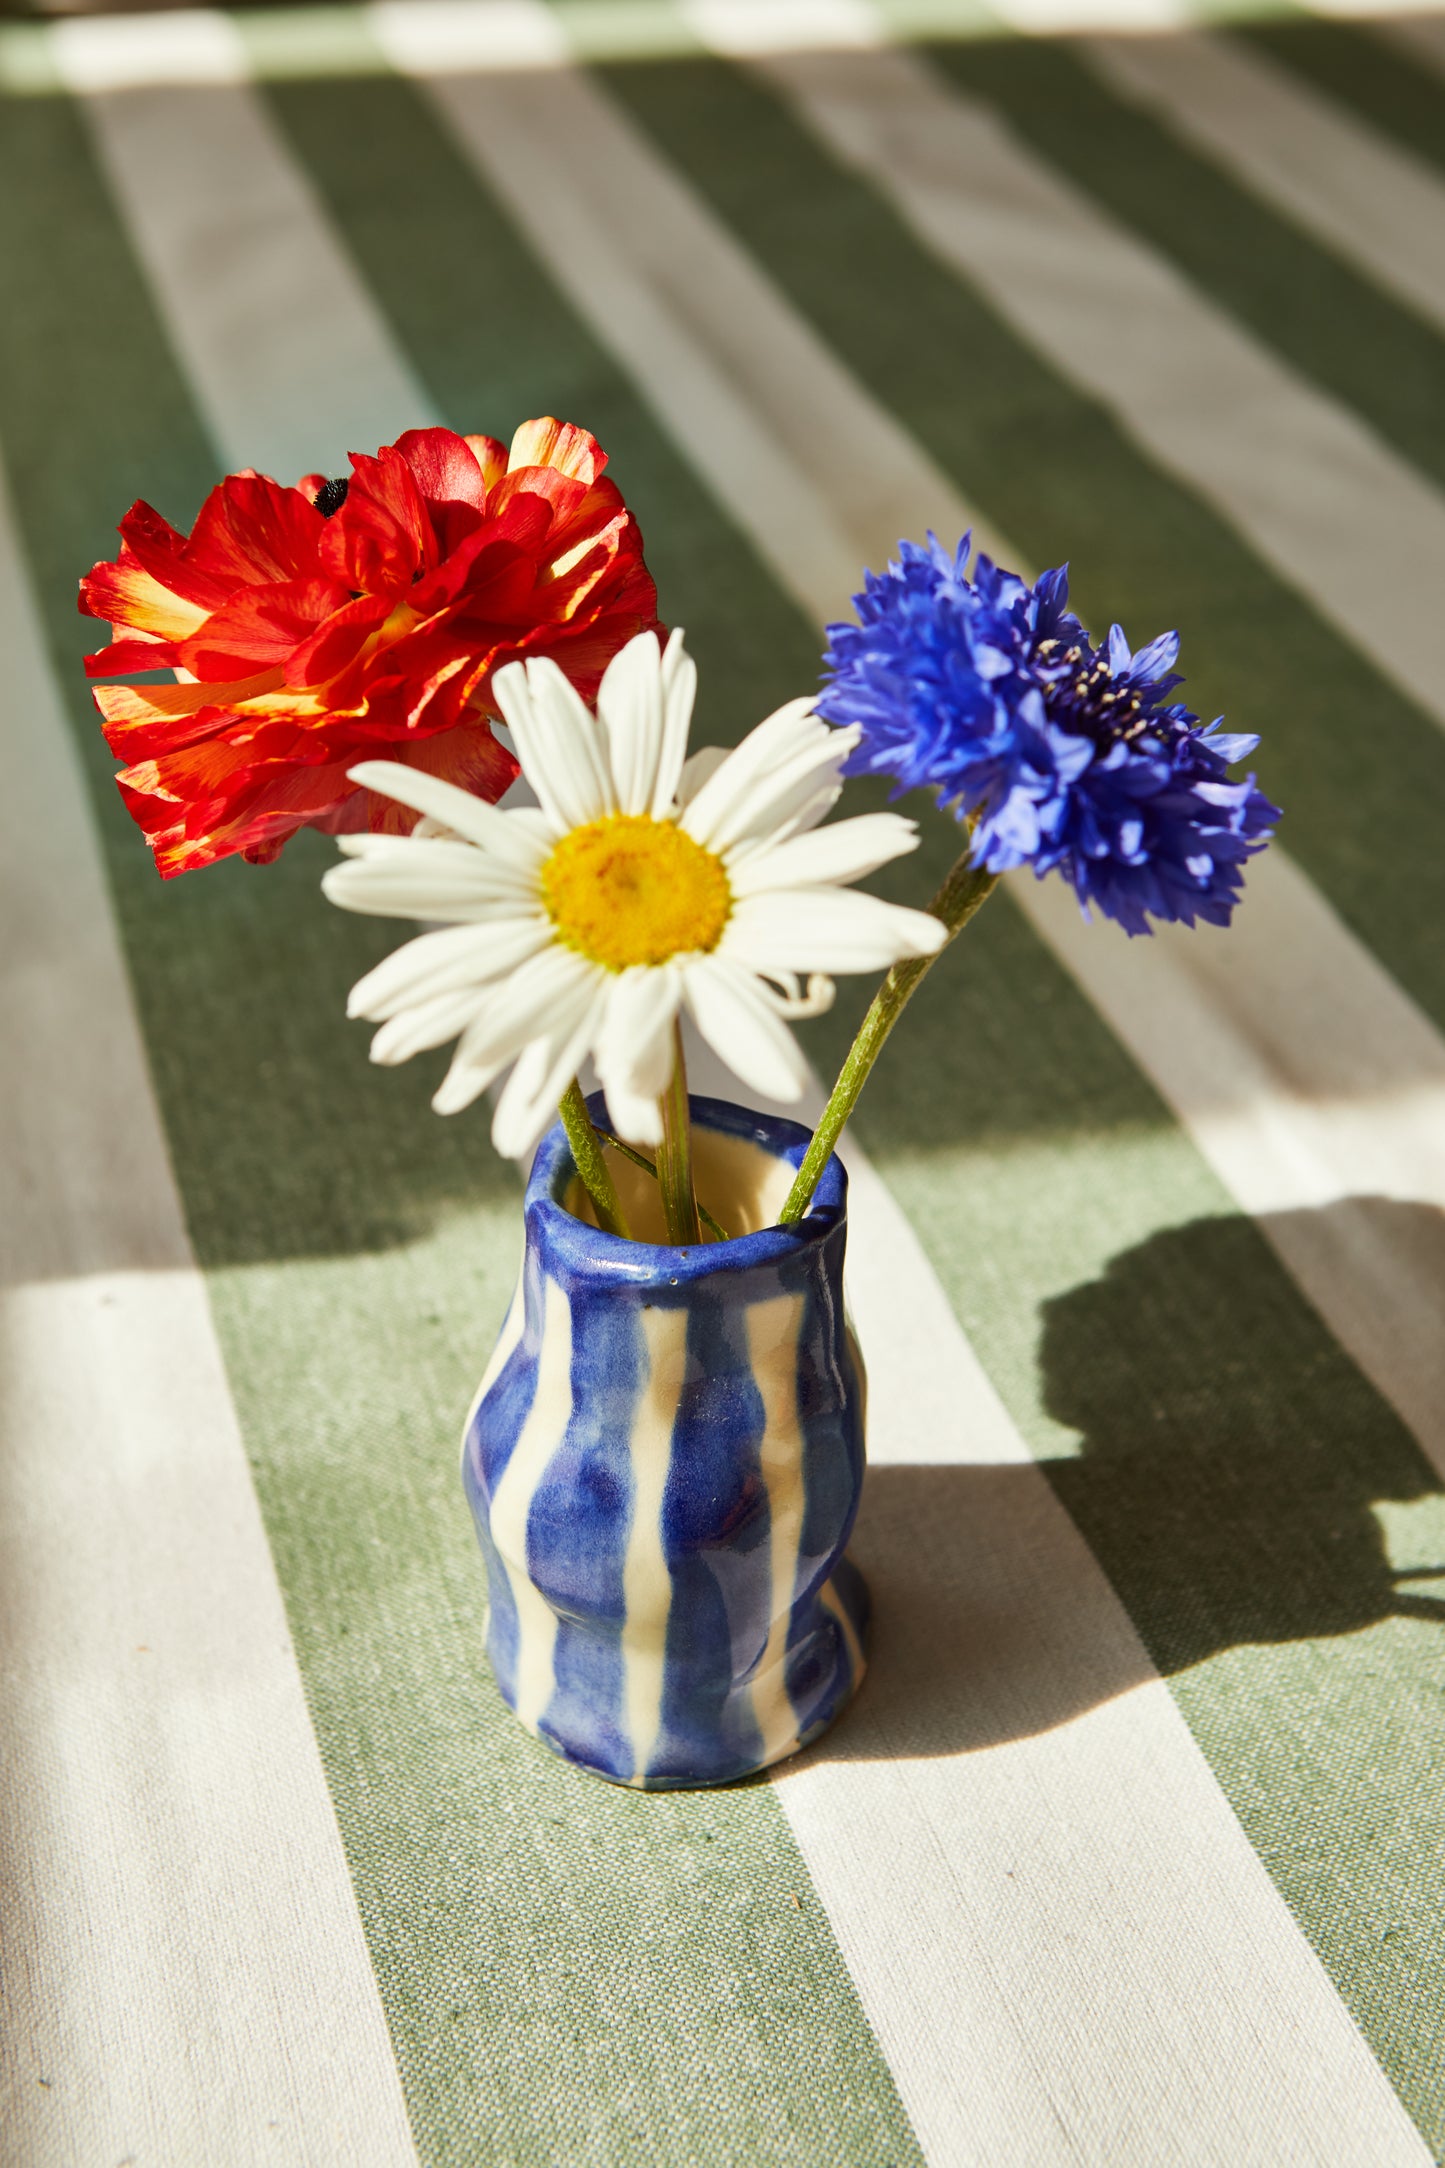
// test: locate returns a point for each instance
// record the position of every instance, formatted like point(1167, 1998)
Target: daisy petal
point(697, 769)
point(525, 1006)
point(556, 742)
point(635, 1048)
point(743, 1029)
point(630, 715)
point(442, 963)
point(463, 1083)
point(787, 763)
point(775, 738)
point(679, 691)
point(844, 852)
point(480, 823)
point(792, 798)
point(461, 888)
point(425, 1024)
point(826, 929)
point(528, 1105)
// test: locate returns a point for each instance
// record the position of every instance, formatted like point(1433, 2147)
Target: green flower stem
point(591, 1162)
point(715, 1227)
point(674, 1161)
point(966, 888)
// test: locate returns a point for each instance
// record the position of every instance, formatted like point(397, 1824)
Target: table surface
point(1130, 1851)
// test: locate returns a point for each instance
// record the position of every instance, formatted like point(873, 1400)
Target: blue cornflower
point(1063, 756)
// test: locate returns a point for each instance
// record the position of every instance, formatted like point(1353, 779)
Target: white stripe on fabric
point(1325, 503)
point(1207, 2009)
point(215, 207)
point(186, 1971)
point(1377, 13)
point(1363, 198)
point(1421, 40)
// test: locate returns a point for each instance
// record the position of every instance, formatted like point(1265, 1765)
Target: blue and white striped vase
point(664, 1461)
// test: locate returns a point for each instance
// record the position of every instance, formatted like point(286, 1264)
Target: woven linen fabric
point(1128, 1853)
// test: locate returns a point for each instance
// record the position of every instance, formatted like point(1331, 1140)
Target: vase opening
point(743, 1185)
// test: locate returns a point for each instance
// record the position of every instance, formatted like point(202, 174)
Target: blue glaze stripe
point(541, 1435)
point(507, 1341)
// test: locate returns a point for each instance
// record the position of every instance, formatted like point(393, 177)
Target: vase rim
point(593, 1250)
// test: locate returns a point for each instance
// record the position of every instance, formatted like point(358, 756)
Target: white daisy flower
point(641, 883)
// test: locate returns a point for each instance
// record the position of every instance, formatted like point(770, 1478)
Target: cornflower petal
point(1063, 755)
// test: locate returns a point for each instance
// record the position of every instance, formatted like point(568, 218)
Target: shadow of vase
point(1231, 1459)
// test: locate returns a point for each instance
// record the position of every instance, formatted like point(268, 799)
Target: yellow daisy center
point(632, 890)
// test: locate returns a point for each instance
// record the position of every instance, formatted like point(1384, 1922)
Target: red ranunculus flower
point(315, 626)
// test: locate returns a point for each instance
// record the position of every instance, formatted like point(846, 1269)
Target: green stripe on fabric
point(570, 1972)
point(1370, 352)
point(1356, 765)
point(489, 334)
point(1346, 61)
point(1238, 1479)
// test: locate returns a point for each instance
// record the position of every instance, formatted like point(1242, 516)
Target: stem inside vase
point(674, 1161)
point(591, 1162)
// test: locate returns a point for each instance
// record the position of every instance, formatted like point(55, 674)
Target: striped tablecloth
point(1131, 1852)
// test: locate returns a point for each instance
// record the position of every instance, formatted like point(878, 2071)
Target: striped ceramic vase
point(664, 1462)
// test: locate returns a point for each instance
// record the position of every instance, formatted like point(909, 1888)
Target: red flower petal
point(446, 467)
point(381, 537)
point(259, 625)
point(548, 443)
point(319, 640)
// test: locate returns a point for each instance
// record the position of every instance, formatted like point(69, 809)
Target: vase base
point(824, 1666)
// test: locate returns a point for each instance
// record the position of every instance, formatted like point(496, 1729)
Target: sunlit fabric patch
point(311, 626)
point(1063, 756)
